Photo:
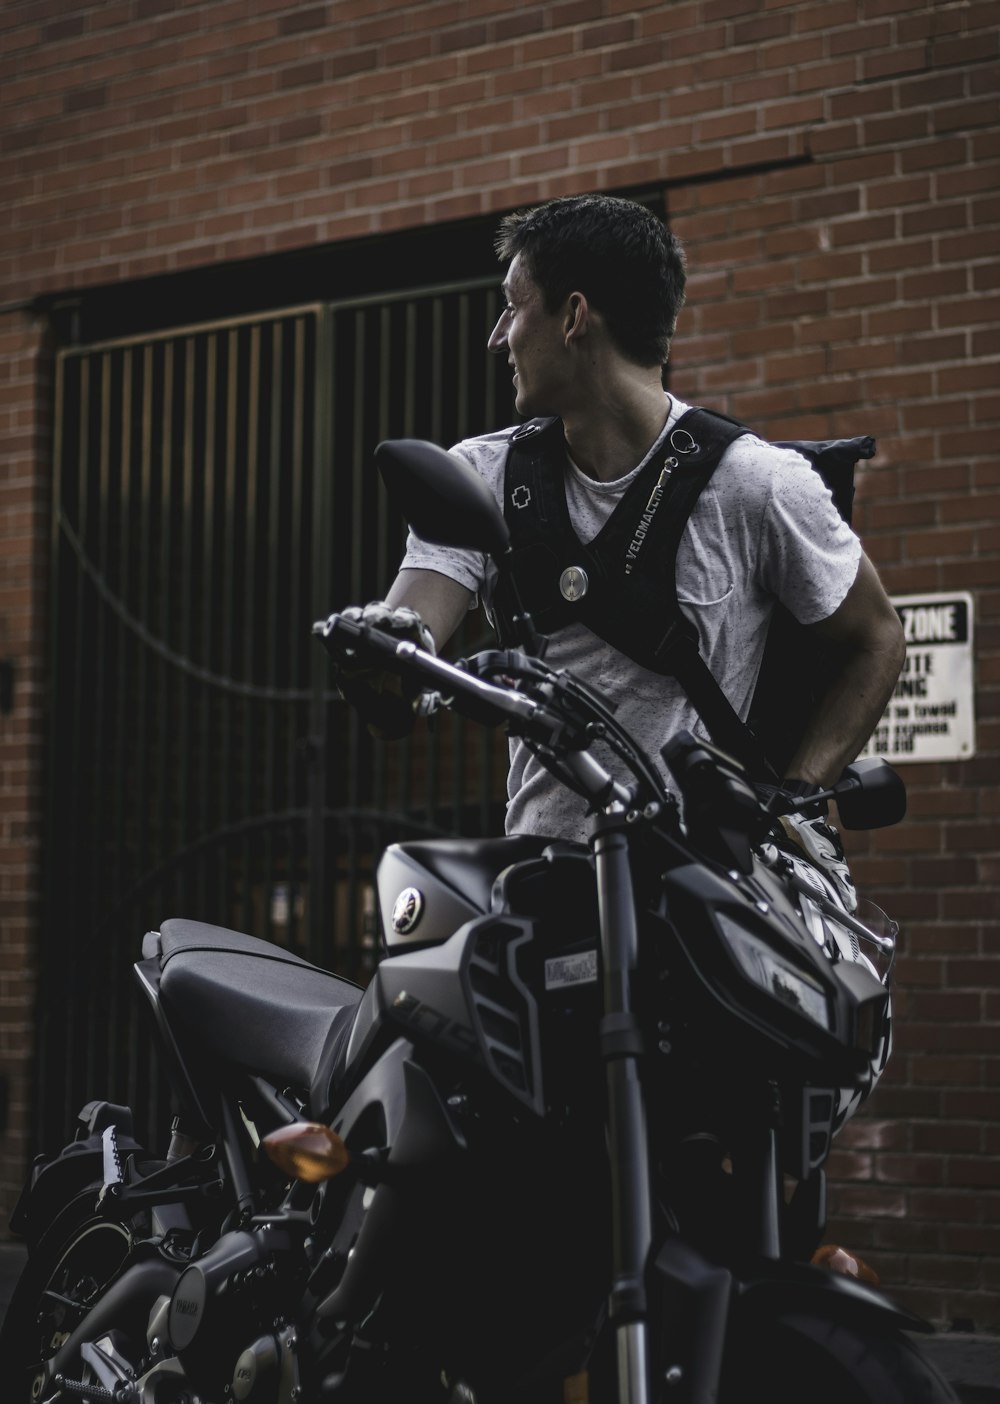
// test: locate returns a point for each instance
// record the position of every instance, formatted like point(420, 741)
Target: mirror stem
point(526, 636)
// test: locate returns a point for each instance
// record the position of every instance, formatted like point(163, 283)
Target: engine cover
point(257, 1376)
point(224, 1296)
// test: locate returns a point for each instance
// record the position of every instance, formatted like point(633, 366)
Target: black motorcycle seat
point(257, 1005)
point(471, 866)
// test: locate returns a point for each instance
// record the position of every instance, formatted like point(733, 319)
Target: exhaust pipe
point(125, 1307)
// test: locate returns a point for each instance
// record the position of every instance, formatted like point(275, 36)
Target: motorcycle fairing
point(396, 1104)
point(700, 1298)
point(855, 999)
point(473, 994)
point(455, 878)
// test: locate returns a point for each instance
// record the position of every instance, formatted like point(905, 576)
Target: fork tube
point(621, 1048)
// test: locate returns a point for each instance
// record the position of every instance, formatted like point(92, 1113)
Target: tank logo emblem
point(521, 496)
point(407, 911)
point(573, 583)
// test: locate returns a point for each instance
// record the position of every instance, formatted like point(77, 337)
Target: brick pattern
point(25, 419)
point(832, 165)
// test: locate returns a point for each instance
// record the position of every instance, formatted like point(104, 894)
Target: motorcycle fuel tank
point(428, 888)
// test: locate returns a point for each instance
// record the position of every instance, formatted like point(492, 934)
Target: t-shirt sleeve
point(468, 568)
point(809, 555)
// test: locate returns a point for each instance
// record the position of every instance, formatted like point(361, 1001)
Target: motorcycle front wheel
point(798, 1356)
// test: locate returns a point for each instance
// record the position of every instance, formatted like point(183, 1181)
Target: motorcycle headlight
point(778, 976)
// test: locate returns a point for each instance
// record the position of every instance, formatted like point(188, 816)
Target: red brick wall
point(25, 418)
point(832, 165)
point(853, 294)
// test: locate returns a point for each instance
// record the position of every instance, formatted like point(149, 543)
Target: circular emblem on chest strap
point(407, 911)
point(683, 442)
point(573, 583)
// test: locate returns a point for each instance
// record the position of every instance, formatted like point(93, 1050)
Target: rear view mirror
point(870, 795)
point(444, 500)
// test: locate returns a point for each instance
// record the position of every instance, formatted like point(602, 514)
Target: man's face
point(533, 342)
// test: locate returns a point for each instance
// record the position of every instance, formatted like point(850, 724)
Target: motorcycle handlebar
point(480, 701)
point(470, 696)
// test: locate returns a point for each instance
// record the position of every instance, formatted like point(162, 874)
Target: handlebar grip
point(473, 698)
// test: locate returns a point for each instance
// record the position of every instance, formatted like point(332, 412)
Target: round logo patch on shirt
point(573, 583)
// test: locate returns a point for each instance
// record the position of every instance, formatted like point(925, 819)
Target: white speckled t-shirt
point(764, 529)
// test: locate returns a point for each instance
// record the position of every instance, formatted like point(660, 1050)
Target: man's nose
point(498, 336)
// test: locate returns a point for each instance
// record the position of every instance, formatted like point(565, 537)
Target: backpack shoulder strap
point(699, 440)
point(525, 484)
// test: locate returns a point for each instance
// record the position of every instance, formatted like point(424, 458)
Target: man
point(593, 288)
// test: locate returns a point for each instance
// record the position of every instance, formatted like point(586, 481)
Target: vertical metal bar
point(464, 357)
point(122, 1027)
point(228, 627)
point(249, 601)
point(169, 767)
point(320, 915)
point(147, 563)
point(271, 636)
point(432, 795)
point(386, 569)
point(484, 740)
point(360, 747)
point(336, 721)
point(53, 925)
point(461, 733)
point(205, 814)
point(295, 613)
point(437, 369)
point(409, 368)
point(404, 800)
point(186, 695)
point(123, 740)
point(490, 321)
point(357, 456)
point(79, 756)
point(385, 561)
point(101, 746)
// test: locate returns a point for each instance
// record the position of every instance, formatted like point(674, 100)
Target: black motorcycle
point(568, 1143)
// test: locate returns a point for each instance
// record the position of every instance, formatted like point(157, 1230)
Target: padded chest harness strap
point(621, 585)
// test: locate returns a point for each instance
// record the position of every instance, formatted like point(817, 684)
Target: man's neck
point(608, 435)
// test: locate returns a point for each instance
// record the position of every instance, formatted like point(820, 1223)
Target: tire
point(70, 1267)
point(800, 1356)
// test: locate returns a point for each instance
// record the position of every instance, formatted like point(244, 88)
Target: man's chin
point(528, 408)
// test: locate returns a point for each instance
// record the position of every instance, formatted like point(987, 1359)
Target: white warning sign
point(931, 715)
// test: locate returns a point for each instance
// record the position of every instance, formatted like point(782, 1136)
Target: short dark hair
point(617, 252)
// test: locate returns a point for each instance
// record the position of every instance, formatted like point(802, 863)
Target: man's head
point(617, 253)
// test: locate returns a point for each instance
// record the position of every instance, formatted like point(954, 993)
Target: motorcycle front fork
point(759, 1172)
point(621, 1047)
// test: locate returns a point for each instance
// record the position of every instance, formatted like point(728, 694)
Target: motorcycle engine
point(221, 1298)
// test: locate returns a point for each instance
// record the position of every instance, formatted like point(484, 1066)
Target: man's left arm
point(866, 630)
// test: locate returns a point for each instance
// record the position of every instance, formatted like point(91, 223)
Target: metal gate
point(213, 495)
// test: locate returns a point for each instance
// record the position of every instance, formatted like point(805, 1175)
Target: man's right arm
point(441, 602)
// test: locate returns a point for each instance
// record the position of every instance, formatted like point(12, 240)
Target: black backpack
point(608, 584)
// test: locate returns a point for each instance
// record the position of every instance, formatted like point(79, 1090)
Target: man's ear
point(577, 317)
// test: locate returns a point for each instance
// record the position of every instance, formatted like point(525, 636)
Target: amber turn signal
point(307, 1151)
point(836, 1259)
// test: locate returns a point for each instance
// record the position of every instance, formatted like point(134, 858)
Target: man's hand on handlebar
point(807, 828)
point(383, 699)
